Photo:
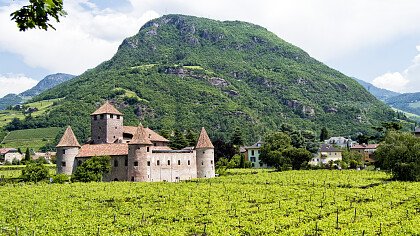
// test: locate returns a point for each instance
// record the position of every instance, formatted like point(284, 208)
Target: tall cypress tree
point(324, 134)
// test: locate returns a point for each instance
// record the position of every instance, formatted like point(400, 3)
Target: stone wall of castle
point(106, 128)
point(171, 166)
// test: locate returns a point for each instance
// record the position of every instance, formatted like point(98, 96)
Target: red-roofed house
point(366, 150)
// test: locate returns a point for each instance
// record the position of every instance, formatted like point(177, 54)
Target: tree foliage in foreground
point(278, 151)
point(37, 14)
point(400, 153)
point(35, 172)
point(92, 169)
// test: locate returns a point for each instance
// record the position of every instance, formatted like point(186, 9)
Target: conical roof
point(204, 140)
point(140, 136)
point(68, 139)
point(107, 108)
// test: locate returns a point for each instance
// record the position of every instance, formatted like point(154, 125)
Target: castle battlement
point(137, 153)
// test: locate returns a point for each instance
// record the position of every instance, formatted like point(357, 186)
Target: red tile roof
point(204, 140)
point(3, 151)
point(68, 139)
point(365, 146)
point(140, 137)
point(153, 135)
point(106, 149)
point(107, 108)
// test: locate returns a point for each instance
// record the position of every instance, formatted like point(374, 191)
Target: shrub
point(35, 172)
point(60, 178)
point(93, 169)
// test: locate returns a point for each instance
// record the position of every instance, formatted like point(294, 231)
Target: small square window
point(189, 162)
point(132, 178)
point(111, 116)
point(95, 117)
point(102, 116)
point(179, 162)
point(148, 149)
point(202, 163)
point(148, 163)
point(169, 162)
point(115, 163)
point(63, 163)
point(136, 163)
point(157, 162)
point(64, 151)
point(118, 116)
point(126, 161)
point(211, 162)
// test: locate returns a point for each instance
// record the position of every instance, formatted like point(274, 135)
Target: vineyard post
point(336, 222)
point(99, 230)
point(355, 214)
point(16, 230)
point(380, 228)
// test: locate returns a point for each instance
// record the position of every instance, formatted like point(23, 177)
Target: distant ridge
point(48, 82)
point(379, 93)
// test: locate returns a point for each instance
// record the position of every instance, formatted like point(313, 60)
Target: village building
point(252, 154)
point(7, 155)
point(326, 154)
point(416, 132)
point(341, 142)
point(137, 153)
point(367, 151)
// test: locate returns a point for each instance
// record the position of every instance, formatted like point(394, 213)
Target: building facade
point(326, 154)
point(7, 155)
point(137, 154)
point(253, 155)
point(367, 151)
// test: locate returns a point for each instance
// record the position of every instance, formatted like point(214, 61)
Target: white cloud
point(391, 81)
point(327, 29)
point(405, 81)
point(83, 39)
point(15, 84)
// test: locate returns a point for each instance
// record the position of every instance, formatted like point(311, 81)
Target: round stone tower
point(205, 156)
point(138, 151)
point(67, 150)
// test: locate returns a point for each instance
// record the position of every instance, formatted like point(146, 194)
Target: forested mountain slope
point(186, 72)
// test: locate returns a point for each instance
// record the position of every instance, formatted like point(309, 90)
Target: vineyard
point(248, 202)
point(30, 138)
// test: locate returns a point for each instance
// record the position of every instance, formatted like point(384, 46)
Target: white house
point(253, 154)
point(341, 142)
point(8, 154)
point(326, 153)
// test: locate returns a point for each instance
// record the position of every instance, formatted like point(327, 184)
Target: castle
point(137, 153)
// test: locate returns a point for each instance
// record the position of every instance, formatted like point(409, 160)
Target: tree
point(178, 141)
point(27, 158)
point(37, 14)
point(191, 138)
point(93, 169)
point(237, 137)
point(271, 150)
point(352, 159)
point(324, 134)
point(35, 172)
point(399, 153)
point(299, 157)
point(223, 149)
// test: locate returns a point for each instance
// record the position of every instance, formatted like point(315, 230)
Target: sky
point(374, 40)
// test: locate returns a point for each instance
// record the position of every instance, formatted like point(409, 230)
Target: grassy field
point(7, 115)
point(250, 202)
point(30, 138)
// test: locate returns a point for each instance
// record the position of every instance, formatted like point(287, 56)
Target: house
point(252, 154)
point(416, 132)
point(341, 142)
point(137, 154)
point(326, 153)
point(366, 150)
point(9, 154)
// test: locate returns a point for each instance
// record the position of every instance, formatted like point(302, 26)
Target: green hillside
point(187, 72)
point(30, 138)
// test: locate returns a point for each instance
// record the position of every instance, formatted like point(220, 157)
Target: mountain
point(408, 102)
point(48, 82)
point(185, 72)
point(381, 94)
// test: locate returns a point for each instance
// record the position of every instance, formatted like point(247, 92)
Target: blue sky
point(374, 40)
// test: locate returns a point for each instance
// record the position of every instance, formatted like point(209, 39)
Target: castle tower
point(205, 156)
point(106, 124)
point(67, 150)
point(139, 149)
